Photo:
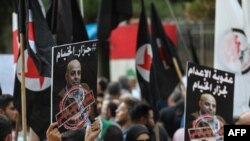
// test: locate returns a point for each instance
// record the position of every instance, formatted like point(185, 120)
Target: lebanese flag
point(232, 52)
point(123, 48)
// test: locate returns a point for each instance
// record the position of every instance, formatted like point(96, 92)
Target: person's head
point(207, 104)
point(123, 80)
point(114, 90)
point(7, 107)
point(73, 73)
point(123, 111)
point(113, 133)
point(138, 132)
point(99, 102)
point(132, 82)
point(111, 109)
point(5, 130)
point(0, 90)
point(102, 84)
point(125, 96)
point(143, 114)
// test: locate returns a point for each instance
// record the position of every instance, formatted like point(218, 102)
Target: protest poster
point(209, 103)
point(74, 75)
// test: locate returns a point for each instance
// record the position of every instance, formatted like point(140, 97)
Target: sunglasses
point(144, 140)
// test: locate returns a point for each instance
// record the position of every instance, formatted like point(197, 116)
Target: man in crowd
point(123, 114)
point(102, 84)
point(5, 130)
point(143, 114)
point(8, 109)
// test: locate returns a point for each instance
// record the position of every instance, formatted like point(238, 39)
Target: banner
point(66, 22)
point(209, 93)
point(74, 75)
point(111, 13)
point(232, 49)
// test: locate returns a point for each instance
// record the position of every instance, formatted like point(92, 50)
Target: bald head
point(73, 63)
point(207, 104)
point(73, 73)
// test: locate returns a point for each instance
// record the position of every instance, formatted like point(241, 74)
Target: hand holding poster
point(74, 75)
point(209, 93)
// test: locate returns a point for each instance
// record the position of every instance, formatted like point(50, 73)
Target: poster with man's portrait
point(74, 75)
point(209, 102)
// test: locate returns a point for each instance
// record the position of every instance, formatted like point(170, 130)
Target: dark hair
point(113, 133)
point(6, 128)
point(114, 88)
point(103, 82)
point(0, 90)
point(135, 131)
point(123, 80)
point(112, 107)
point(100, 95)
point(140, 110)
point(131, 103)
point(5, 101)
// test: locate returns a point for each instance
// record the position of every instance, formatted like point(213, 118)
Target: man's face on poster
point(73, 73)
point(208, 104)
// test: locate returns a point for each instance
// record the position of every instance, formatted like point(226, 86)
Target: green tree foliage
point(161, 6)
point(190, 9)
point(5, 24)
point(200, 10)
point(90, 8)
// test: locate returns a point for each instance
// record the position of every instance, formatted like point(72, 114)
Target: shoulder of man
point(221, 119)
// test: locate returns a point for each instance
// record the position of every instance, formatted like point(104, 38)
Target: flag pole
point(178, 28)
point(23, 91)
point(17, 127)
point(82, 8)
point(178, 71)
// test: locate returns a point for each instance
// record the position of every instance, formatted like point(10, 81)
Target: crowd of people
point(123, 115)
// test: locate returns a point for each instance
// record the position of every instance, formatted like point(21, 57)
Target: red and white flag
point(232, 48)
point(29, 20)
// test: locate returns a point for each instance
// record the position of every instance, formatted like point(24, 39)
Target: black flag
point(144, 57)
point(192, 48)
point(164, 51)
point(0, 90)
point(37, 58)
point(111, 13)
point(39, 37)
point(66, 22)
